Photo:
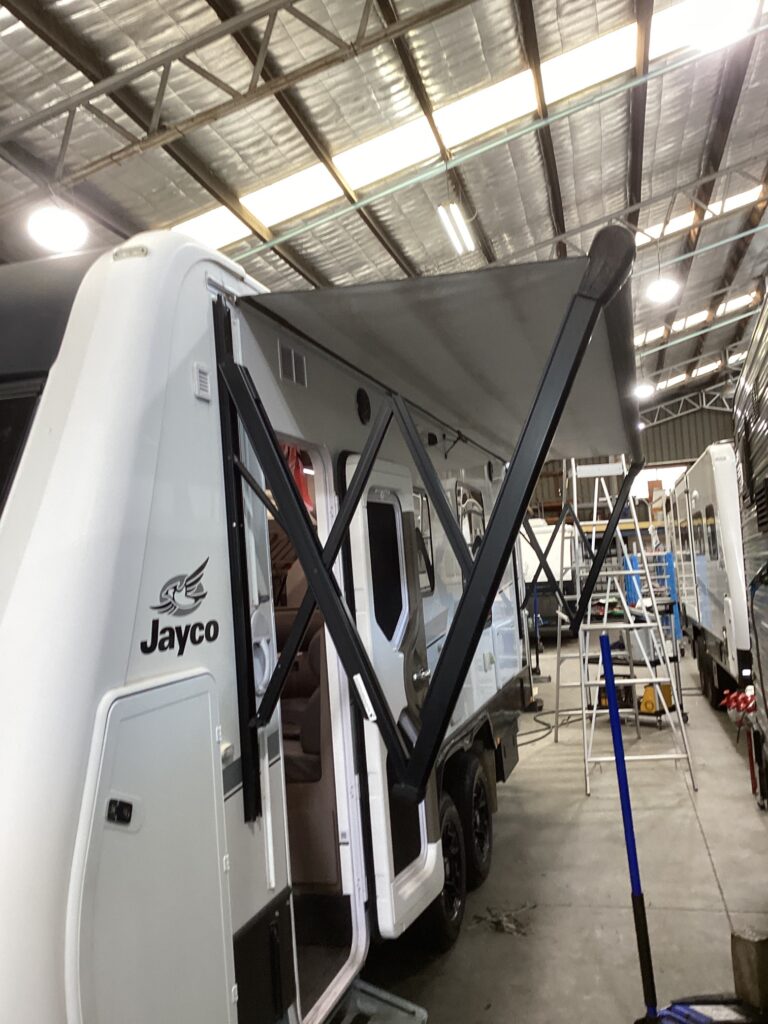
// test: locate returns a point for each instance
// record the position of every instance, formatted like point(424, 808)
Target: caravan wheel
point(471, 792)
point(441, 921)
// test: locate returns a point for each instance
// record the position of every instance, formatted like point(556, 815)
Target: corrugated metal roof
point(367, 93)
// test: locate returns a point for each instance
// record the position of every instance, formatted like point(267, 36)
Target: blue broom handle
point(638, 901)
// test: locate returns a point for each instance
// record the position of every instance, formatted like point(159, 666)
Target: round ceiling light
point(57, 229)
point(640, 425)
point(662, 290)
point(644, 389)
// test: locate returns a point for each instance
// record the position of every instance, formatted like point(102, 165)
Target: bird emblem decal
point(182, 594)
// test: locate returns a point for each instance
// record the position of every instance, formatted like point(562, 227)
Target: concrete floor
point(560, 872)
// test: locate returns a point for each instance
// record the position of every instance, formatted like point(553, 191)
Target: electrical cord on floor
point(545, 727)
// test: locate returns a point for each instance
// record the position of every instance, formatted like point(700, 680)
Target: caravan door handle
point(422, 676)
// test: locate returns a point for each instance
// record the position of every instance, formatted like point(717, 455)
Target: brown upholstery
point(284, 620)
point(310, 779)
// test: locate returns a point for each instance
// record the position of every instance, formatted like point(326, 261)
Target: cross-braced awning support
point(413, 746)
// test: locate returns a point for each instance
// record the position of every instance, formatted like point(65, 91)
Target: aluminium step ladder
point(626, 605)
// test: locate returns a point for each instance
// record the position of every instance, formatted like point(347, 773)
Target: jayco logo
point(181, 595)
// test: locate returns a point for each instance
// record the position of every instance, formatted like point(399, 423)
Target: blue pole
point(638, 901)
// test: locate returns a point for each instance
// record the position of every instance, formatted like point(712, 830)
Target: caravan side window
point(709, 513)
point(469, 503)
point(386, 572)
point(423, 522)
point(698, 534)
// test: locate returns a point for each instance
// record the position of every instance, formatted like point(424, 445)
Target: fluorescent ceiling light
point(700, 371)
point(737, 357)
point(696, 318)
point(486, 109)
point(679, 223)
point(291, 196)
point(685, 220)
point(662, 290)
point(394, 151)
point(644, 389)
point(450, 229)
point(742, 199)
point(216, 228)
point(671, 381)
point(461, 225)
point(736, 303)
point(603, 58)
point(57, 229)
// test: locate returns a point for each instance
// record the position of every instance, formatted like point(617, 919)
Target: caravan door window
point(423, 523)
point(698, 534)
point(709, 514)
point(387, 570)
point(469, 503)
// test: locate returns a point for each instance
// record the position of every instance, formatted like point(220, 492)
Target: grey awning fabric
point(471, 348)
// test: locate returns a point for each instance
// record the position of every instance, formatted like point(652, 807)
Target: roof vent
point(293, 365)
point(202, 382)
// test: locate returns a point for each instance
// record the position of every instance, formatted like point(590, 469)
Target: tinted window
point(385, 566)
point(698, 534)
point(469, 503)
point(423, 522)
point(16, 413)
point(709, 514)
point(684, 542)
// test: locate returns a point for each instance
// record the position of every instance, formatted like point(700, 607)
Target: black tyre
point(441, 921)
point(468, 784)
point(704, 663)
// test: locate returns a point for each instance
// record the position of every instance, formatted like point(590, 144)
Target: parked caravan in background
point(261, 651)
point(559, 558)
point(751, 437)
point(710, 566)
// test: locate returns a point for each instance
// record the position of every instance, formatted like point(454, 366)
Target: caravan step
point(366, 1004)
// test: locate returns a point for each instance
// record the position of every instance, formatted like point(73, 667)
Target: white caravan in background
point(560, 562)
point(208, 812)
point(751, 431)
point(710, 570)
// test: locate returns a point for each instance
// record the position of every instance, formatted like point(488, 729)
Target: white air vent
point(202, 382)
point(293, 365)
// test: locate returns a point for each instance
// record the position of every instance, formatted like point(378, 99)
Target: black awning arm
point(609, 265)
point(610, 262)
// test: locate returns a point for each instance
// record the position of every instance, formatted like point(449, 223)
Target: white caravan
point(710, 569)
point(165, 856)
point(750, 426)
point(559, 560)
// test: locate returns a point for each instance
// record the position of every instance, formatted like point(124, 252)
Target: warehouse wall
point(685, 438)
point(674, 441)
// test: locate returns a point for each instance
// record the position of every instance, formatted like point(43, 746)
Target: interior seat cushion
point(291, 713)
point(284, 618)
point(300, 767)
point(310, 726)
point(302, 679)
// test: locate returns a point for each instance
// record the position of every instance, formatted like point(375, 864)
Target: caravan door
point(407, 859)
